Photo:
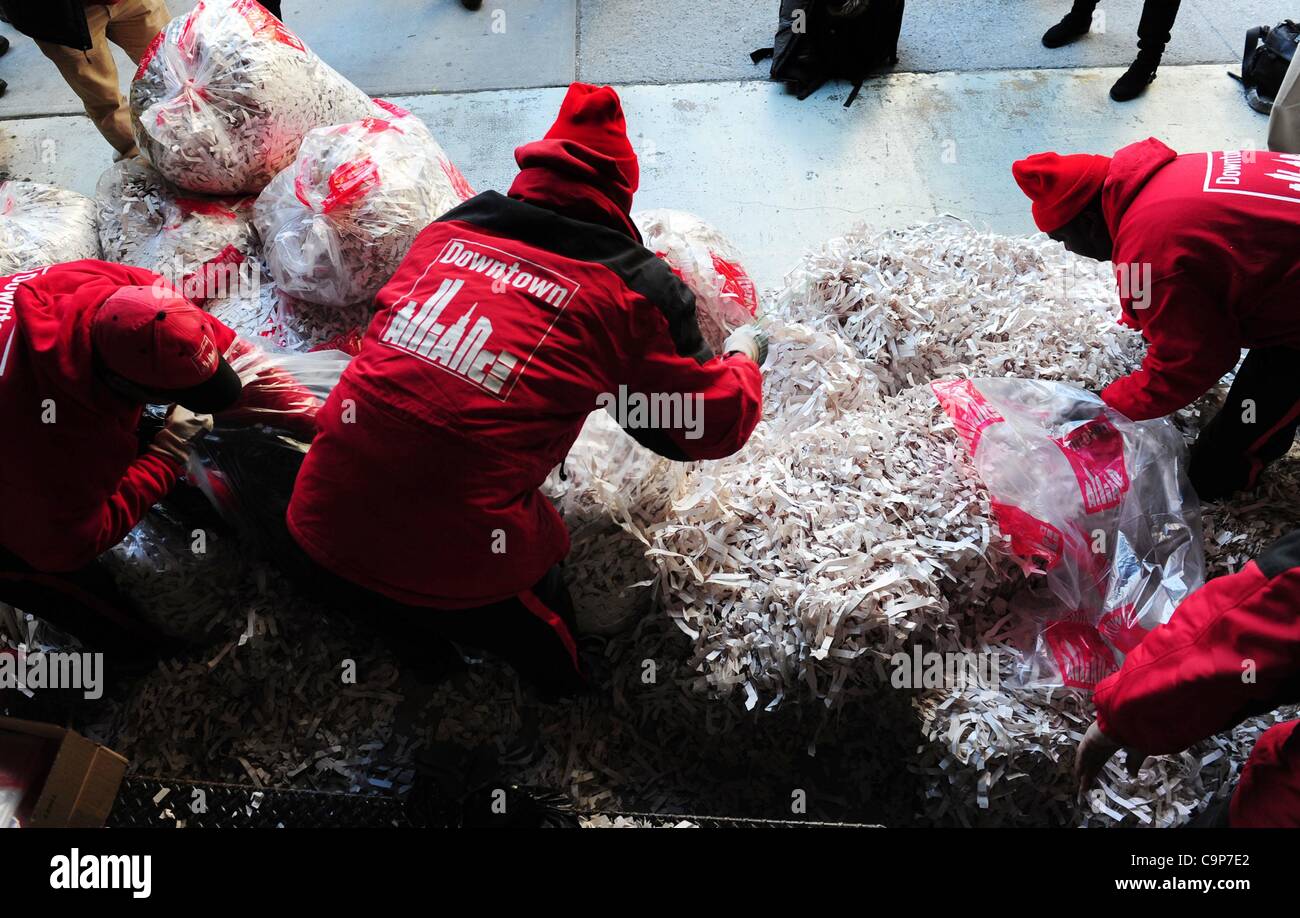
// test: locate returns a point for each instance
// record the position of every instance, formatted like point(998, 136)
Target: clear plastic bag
point(1096, 505)
point(707, 261)
point(43, 225)
point(339, 220)
point(147, 222)
point(247, 464)
point(224, 96)
point(176, 572)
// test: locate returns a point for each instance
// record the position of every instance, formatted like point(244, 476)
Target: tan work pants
point(129, 24)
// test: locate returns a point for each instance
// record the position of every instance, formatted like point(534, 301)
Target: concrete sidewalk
point(395, 47)
point(779, 175)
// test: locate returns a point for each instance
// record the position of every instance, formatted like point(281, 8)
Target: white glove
point(182, 429)
point(749, 340)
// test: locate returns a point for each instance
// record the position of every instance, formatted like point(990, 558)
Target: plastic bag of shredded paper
point(247, 464)
point(177, 572)
point(725, 296)
point(148, 222)
point(1097, 505)
point(42, 225)
point(225, 95)
point(339, 220)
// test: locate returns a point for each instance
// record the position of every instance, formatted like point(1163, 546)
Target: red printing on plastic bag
point(347, 184)
point(969, 409)
point(459, 183)
point(207, 208)
point(1080, 654)
point(736, 283)
point(1120, 627)
point(349, 342)
point(150, 53)
point(187, 30)
point(1035, 542)
point(263, 22)
point(1096, 454)
point(392, 109)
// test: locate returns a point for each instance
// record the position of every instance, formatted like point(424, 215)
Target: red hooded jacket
point(72, 481)
point(507, 321)
point(1206, 258)
point(1232, 650)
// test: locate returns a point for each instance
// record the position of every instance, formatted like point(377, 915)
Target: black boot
point(1137, 78)
point(1074, 26)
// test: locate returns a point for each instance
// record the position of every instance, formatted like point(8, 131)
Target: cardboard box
point(72, 781)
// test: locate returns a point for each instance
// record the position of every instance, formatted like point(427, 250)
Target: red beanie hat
point(593, 117)
point(585, 166)
point(1060, 186)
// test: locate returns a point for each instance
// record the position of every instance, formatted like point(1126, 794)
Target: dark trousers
point(1155, 28)
point(1256, 426)
point(85, 604)
point(534, 632)
point(273, 7)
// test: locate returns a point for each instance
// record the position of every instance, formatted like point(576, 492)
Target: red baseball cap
point(155, 338)
point(1060, 186)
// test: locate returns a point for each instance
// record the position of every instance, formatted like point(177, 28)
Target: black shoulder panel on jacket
point(1281, 556)
point(635, 265)
point(60, 22)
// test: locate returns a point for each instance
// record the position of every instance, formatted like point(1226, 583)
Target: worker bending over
point(1231, 651)
point(497, 336)
point(1205, 252)
point(84, 347)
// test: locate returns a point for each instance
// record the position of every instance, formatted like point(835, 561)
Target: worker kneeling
point(1205, 252)
point(511, 319)
point(1231, 651)
point(84, 347)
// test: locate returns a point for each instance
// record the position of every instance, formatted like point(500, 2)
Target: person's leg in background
point(1154, 32)
point(1074, 25)
point(92, 75)
point(1255, 427)
point(132, 26)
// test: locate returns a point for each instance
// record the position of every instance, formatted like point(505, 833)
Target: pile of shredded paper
point(743, 612)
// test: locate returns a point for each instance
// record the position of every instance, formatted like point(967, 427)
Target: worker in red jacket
point(503, 329)
point(1232, 650)
point(1204, 247)
point(84, 347)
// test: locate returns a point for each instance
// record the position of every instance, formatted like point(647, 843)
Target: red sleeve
point(270, 395)
point(146, 482)
point(1191, 345)
point(1232, 649)
point(721, 399)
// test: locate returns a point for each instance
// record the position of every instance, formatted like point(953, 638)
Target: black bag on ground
point(1265, 61)
point(821, 40)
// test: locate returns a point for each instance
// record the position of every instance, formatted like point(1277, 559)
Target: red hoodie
point(72, 482)
point(1217, 235)
point(507, 321)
